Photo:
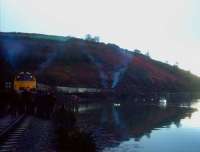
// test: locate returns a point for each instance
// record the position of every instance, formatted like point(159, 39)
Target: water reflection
point(194, 120)
point(144, 127)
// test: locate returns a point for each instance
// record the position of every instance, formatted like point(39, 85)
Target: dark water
point(141, 127)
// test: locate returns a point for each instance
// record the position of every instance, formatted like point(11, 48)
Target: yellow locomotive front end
point(25, 81)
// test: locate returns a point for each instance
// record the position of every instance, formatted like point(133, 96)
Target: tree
point(89, 37)
point(137, 51)
point(96, 39)
point(176, 65)
point(148, 55)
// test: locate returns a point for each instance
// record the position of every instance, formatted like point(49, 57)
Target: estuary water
point(143, 127)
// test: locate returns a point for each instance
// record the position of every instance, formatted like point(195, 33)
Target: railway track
point(10, 136)
point(6, 121)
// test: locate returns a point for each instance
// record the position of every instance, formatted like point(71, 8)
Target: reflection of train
point(24, 81)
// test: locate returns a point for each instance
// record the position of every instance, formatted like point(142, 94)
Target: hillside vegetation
point(68, 61)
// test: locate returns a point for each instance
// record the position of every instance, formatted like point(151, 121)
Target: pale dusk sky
point(168, 29)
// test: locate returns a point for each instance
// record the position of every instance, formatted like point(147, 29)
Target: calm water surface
point(130, 127)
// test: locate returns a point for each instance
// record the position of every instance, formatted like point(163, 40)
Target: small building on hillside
point(24, 81)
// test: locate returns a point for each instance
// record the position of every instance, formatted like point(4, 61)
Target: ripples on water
point(131, 127)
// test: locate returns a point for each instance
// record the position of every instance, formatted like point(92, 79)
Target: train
point(25, 81)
